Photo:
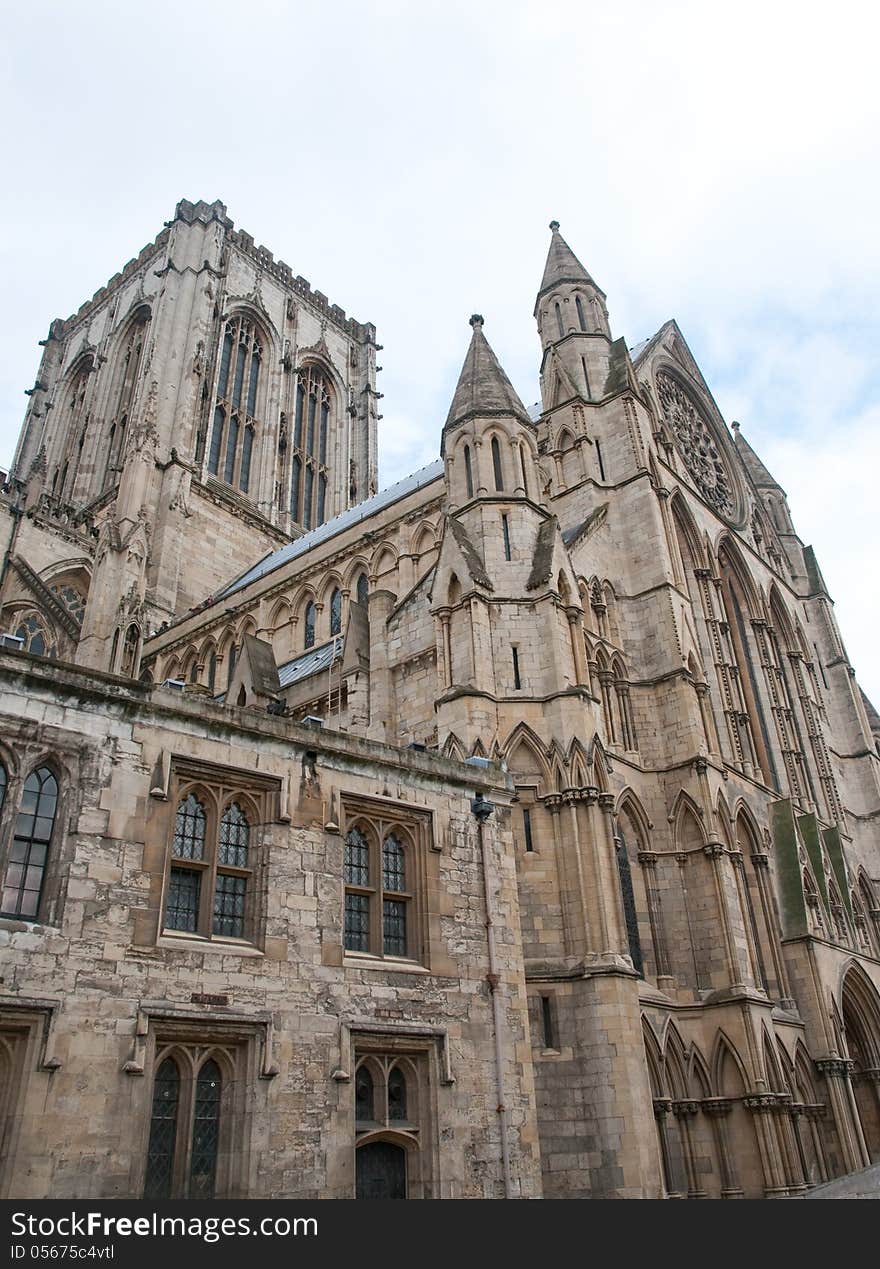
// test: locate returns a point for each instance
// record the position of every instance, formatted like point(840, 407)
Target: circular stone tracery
point(696, 445)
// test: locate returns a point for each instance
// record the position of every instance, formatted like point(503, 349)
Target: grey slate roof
point(354, 515)
point(483, 387)
point(311, 662)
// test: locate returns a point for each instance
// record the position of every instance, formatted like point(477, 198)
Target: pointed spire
point(483, 387)
point(563, 265)
point(752, 463)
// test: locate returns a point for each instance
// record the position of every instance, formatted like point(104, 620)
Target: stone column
point(684, 1111)
point(717, 1109)
point(763, 1108)
point(837, 1073)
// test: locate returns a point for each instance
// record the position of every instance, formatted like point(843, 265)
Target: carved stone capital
point(834, 1068)
point(717, 1106)
point(684, 1107)
point(647, 858)
point(760, 861)
point(713, 850)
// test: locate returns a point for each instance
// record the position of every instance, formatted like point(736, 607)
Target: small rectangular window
point(505, 529)
point(547, 1022)
point(517, 683)
point(527, 828)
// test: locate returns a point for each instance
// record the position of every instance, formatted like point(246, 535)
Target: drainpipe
point(481, 809)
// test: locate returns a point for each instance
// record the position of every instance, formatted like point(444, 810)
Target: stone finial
point(476, 319)
point(554, 225)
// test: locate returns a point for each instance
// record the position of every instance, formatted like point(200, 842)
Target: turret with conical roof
point(488, 439)
point(573, 326)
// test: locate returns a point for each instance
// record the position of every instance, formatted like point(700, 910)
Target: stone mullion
point(773, 678)
point(684, 1111)
point(816, 737)
point(648, 862)
point(722, 666)
point(717, 1109)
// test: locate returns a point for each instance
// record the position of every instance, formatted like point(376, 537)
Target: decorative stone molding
point(832, 1067)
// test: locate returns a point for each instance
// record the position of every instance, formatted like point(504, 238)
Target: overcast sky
point(716, 167)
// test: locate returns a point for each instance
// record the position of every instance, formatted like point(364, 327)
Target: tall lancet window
point(312, 446)
point(237, 406)
point(497, 469)
point(122, 396)
point(582, 321)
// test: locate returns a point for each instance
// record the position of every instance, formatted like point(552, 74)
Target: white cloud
point(716, 164)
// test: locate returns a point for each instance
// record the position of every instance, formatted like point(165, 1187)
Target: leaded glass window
point(363, 590)
point(364, 1096)
point(28, 854)
point(312, 436)
point(393, 864)
point(376, 895)
point(234, 837)
point(357, 922)
point(237, 408)
point(629, 904)
point(336, 612)
point(72, 601)
point(309, 634)
point(357, 859)
point(32, 630)
point(394, 927)
point(496, 463)
point(184, 894)
point(209, 895)
point(206, 1132)
point(189, 829)
point(163, 1132)
point(396, 1094)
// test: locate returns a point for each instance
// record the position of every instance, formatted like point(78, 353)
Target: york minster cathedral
point(510, 832)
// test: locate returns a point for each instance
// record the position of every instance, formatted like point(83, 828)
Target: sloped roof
point(354, 515)
point(483, 387)
point(562, 264)
point(311, 662)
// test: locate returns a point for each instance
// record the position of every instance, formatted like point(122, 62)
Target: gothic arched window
point(336, 612)
point(627, 894)
point(311, 444)
point(123, 395)
point(496, 463)
point(559, 319)
point(363, 590)
point(32, 629)
point(310, 619)
point(28, 855)
point(582, 321)
point(183, 1149)
point(468, 471)
point(237, 402)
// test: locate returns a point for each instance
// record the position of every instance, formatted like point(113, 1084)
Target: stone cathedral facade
point(510, 832)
